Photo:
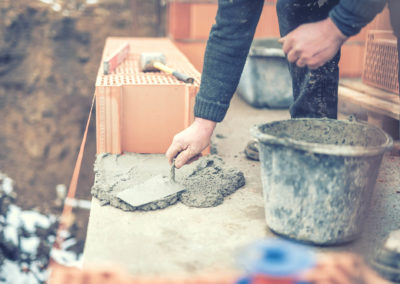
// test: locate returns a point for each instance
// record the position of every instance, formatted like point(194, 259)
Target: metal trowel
point(154, 189)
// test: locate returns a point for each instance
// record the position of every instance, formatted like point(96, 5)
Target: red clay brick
point(351, 61)
point(268, 25)
point(381, 61)
point(141, 112)
point(201, 20)
point(178, 20)
point(192, 21)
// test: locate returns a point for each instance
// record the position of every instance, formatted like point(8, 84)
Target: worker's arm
point(314, 44)
point(227, 48)
point(350, 16)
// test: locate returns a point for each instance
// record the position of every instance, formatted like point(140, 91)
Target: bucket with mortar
point(318, 176)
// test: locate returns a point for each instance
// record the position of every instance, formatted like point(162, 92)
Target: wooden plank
point(357, 85)
point(371, 103)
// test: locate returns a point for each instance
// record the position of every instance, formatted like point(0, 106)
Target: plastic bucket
point(318, 176)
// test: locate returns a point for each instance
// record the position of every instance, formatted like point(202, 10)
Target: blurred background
point(49, 55)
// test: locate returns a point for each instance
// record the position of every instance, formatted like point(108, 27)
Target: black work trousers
point(315, 92)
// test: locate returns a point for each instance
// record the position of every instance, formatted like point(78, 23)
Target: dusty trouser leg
point(394, 8)
point(315, 92)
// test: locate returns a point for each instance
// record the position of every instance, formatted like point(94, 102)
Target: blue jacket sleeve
point(227, 48)
point(350, 16)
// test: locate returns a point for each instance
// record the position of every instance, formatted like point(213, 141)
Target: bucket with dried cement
point(265, 80)
point(318, 176)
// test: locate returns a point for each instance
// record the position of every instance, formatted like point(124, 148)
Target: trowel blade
point(154, 189)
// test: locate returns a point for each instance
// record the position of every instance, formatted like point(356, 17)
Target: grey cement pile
point(207, 181)
point(26, 238)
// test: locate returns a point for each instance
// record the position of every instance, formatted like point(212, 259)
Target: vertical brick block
point(194, 51)
point(351, 59)
point(192, 20)
point(178, 20)
point(381, 66)
point(141, 111)
point(268, 24)
point(201, 20)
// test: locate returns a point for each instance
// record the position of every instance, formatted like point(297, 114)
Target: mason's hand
point(313, 44)
point(188, 144)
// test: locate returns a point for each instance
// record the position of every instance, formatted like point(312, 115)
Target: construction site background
point(49, 56)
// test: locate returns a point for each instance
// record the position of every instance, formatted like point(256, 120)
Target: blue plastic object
point(275, 258)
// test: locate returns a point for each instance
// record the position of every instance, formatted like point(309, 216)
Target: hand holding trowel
point(154, 189)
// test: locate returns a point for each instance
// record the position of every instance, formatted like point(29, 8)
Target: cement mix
point(207, 180)
point(209, 183)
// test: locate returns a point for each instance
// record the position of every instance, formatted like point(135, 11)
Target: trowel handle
point(178, 75)
point(183, 77)
point(172, 173)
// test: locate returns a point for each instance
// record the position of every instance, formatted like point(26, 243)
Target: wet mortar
point(207, 181)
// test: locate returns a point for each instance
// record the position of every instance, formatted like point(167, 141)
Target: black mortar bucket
point(318, 176)
point(265, 80)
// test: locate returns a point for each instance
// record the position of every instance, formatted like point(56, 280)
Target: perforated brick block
point(141, 111)
point(381, 61)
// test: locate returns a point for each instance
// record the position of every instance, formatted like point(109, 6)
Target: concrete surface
point(180, 240)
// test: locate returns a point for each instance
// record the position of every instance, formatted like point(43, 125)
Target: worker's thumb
point(282, 40)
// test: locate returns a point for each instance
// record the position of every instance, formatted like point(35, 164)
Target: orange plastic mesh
point(381, 61)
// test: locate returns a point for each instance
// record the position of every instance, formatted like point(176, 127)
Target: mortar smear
point(112, 175)
point(207, 181)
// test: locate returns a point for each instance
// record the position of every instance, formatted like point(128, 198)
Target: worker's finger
point(174, 150)
point(287, 45)
point(315, 62)
point(319, 59)
point(184, 157)
point(301, 62)
point(292, 55)
point(282, 40)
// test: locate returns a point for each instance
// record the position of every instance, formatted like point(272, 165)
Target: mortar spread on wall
point(207, 181)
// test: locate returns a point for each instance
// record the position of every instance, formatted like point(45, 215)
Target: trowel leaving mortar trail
point(206, 181)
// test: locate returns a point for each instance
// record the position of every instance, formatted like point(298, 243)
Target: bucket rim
point(266, 52)
point(338, 150)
